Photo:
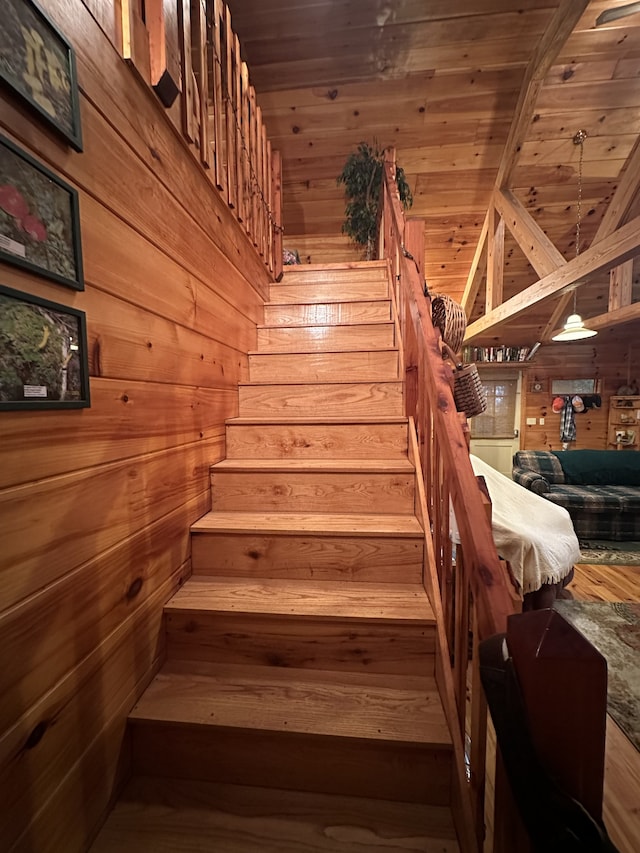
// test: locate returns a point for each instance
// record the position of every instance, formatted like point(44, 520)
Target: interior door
point(495, 434)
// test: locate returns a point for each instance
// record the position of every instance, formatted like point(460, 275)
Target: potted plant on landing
point(362, 179)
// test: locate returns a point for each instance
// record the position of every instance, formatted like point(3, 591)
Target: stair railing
point(466, 581)
point(189, 54)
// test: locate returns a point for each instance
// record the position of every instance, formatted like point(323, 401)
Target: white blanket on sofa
point(534, 535)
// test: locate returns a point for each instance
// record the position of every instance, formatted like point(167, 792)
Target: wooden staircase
point(297, 708)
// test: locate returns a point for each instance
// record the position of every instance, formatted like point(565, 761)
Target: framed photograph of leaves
point(38, 63)
point(39, 218)
point(43, 354)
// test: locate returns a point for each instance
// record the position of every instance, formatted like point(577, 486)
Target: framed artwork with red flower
point(39, 218)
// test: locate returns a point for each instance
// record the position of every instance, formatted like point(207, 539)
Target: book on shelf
point(497, 354)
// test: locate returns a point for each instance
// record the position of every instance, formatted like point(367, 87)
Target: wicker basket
point(468, 391)
point(448, 316)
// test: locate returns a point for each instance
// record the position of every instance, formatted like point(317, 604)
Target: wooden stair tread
point(155, 815)
point(326, 600)
point(336, 466)
point(402, 709)
point(319, 524)
point(345, 266)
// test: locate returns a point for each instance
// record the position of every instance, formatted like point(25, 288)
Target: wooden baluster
point(276, 180)
point(258, 170)
point(188, 110)
point(232, 178)
point(253, 147)
point(265, 194)
point(218, 108)
point(200, 71)
point(237, 102)
point(269, 189)
point(246, 145)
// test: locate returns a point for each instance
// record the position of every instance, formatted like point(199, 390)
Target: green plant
point(362, 179)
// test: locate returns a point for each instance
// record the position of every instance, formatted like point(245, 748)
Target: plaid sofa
point(600, 489)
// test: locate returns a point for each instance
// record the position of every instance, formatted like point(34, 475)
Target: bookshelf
point(499, 354)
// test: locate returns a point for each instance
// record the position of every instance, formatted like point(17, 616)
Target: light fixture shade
point(574, 329)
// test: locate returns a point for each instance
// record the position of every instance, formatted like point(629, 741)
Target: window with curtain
point(498, 421)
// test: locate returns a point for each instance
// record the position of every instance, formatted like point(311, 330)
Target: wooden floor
point(622, 760)
point(605, 583)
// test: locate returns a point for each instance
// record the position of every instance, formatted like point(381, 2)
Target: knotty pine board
point(126, 419)
point(103, 592)
point(94, 698)
point(52, 526)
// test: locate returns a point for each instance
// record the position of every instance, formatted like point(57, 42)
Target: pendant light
point(574, 329)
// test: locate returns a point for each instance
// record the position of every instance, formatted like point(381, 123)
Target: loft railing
point(187, 51)
point(466, 583)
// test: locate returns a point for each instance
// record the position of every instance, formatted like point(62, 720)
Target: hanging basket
point(448, 316)
point(468, 391)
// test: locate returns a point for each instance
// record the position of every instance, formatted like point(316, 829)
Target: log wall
point(95, 504)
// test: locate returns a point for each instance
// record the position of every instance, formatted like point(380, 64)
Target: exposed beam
point(560, 28)
point(536, 246)
point(478, 266)
point(626, 314)
point(495, 261)
point(616, 249)
point(623, 197)
point(558, 312)
point(620, 285)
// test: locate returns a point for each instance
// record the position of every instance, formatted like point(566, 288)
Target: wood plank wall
point(95, 504)
point(605, 357)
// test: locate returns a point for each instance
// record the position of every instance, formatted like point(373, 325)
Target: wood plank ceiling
point(445, 81)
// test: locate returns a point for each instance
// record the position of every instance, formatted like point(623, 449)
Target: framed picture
point(39, 218)
point(43, 354)
point(38, 63)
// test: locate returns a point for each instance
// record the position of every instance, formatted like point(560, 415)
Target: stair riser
point(302, 275)
point(317, 441)
point(409, 773)
point(302, 642)
point(327, 313)
point(367, 559)
point(358, 399)
point(311, 492)
point(285, 294)
point(324, 367)
point(327, 338)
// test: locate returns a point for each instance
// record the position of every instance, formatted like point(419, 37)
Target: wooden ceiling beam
point(620, 285)
point(556, 34)
point(495, 261)
point(478, 267)
point(537, 247)
point(614, 250)
point(623, 198)
point(558, 312)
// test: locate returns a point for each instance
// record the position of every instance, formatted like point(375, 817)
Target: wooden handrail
point(472, 592)
point(467, 581)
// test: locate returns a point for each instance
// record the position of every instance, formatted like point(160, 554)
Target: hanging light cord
point(578, 139)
